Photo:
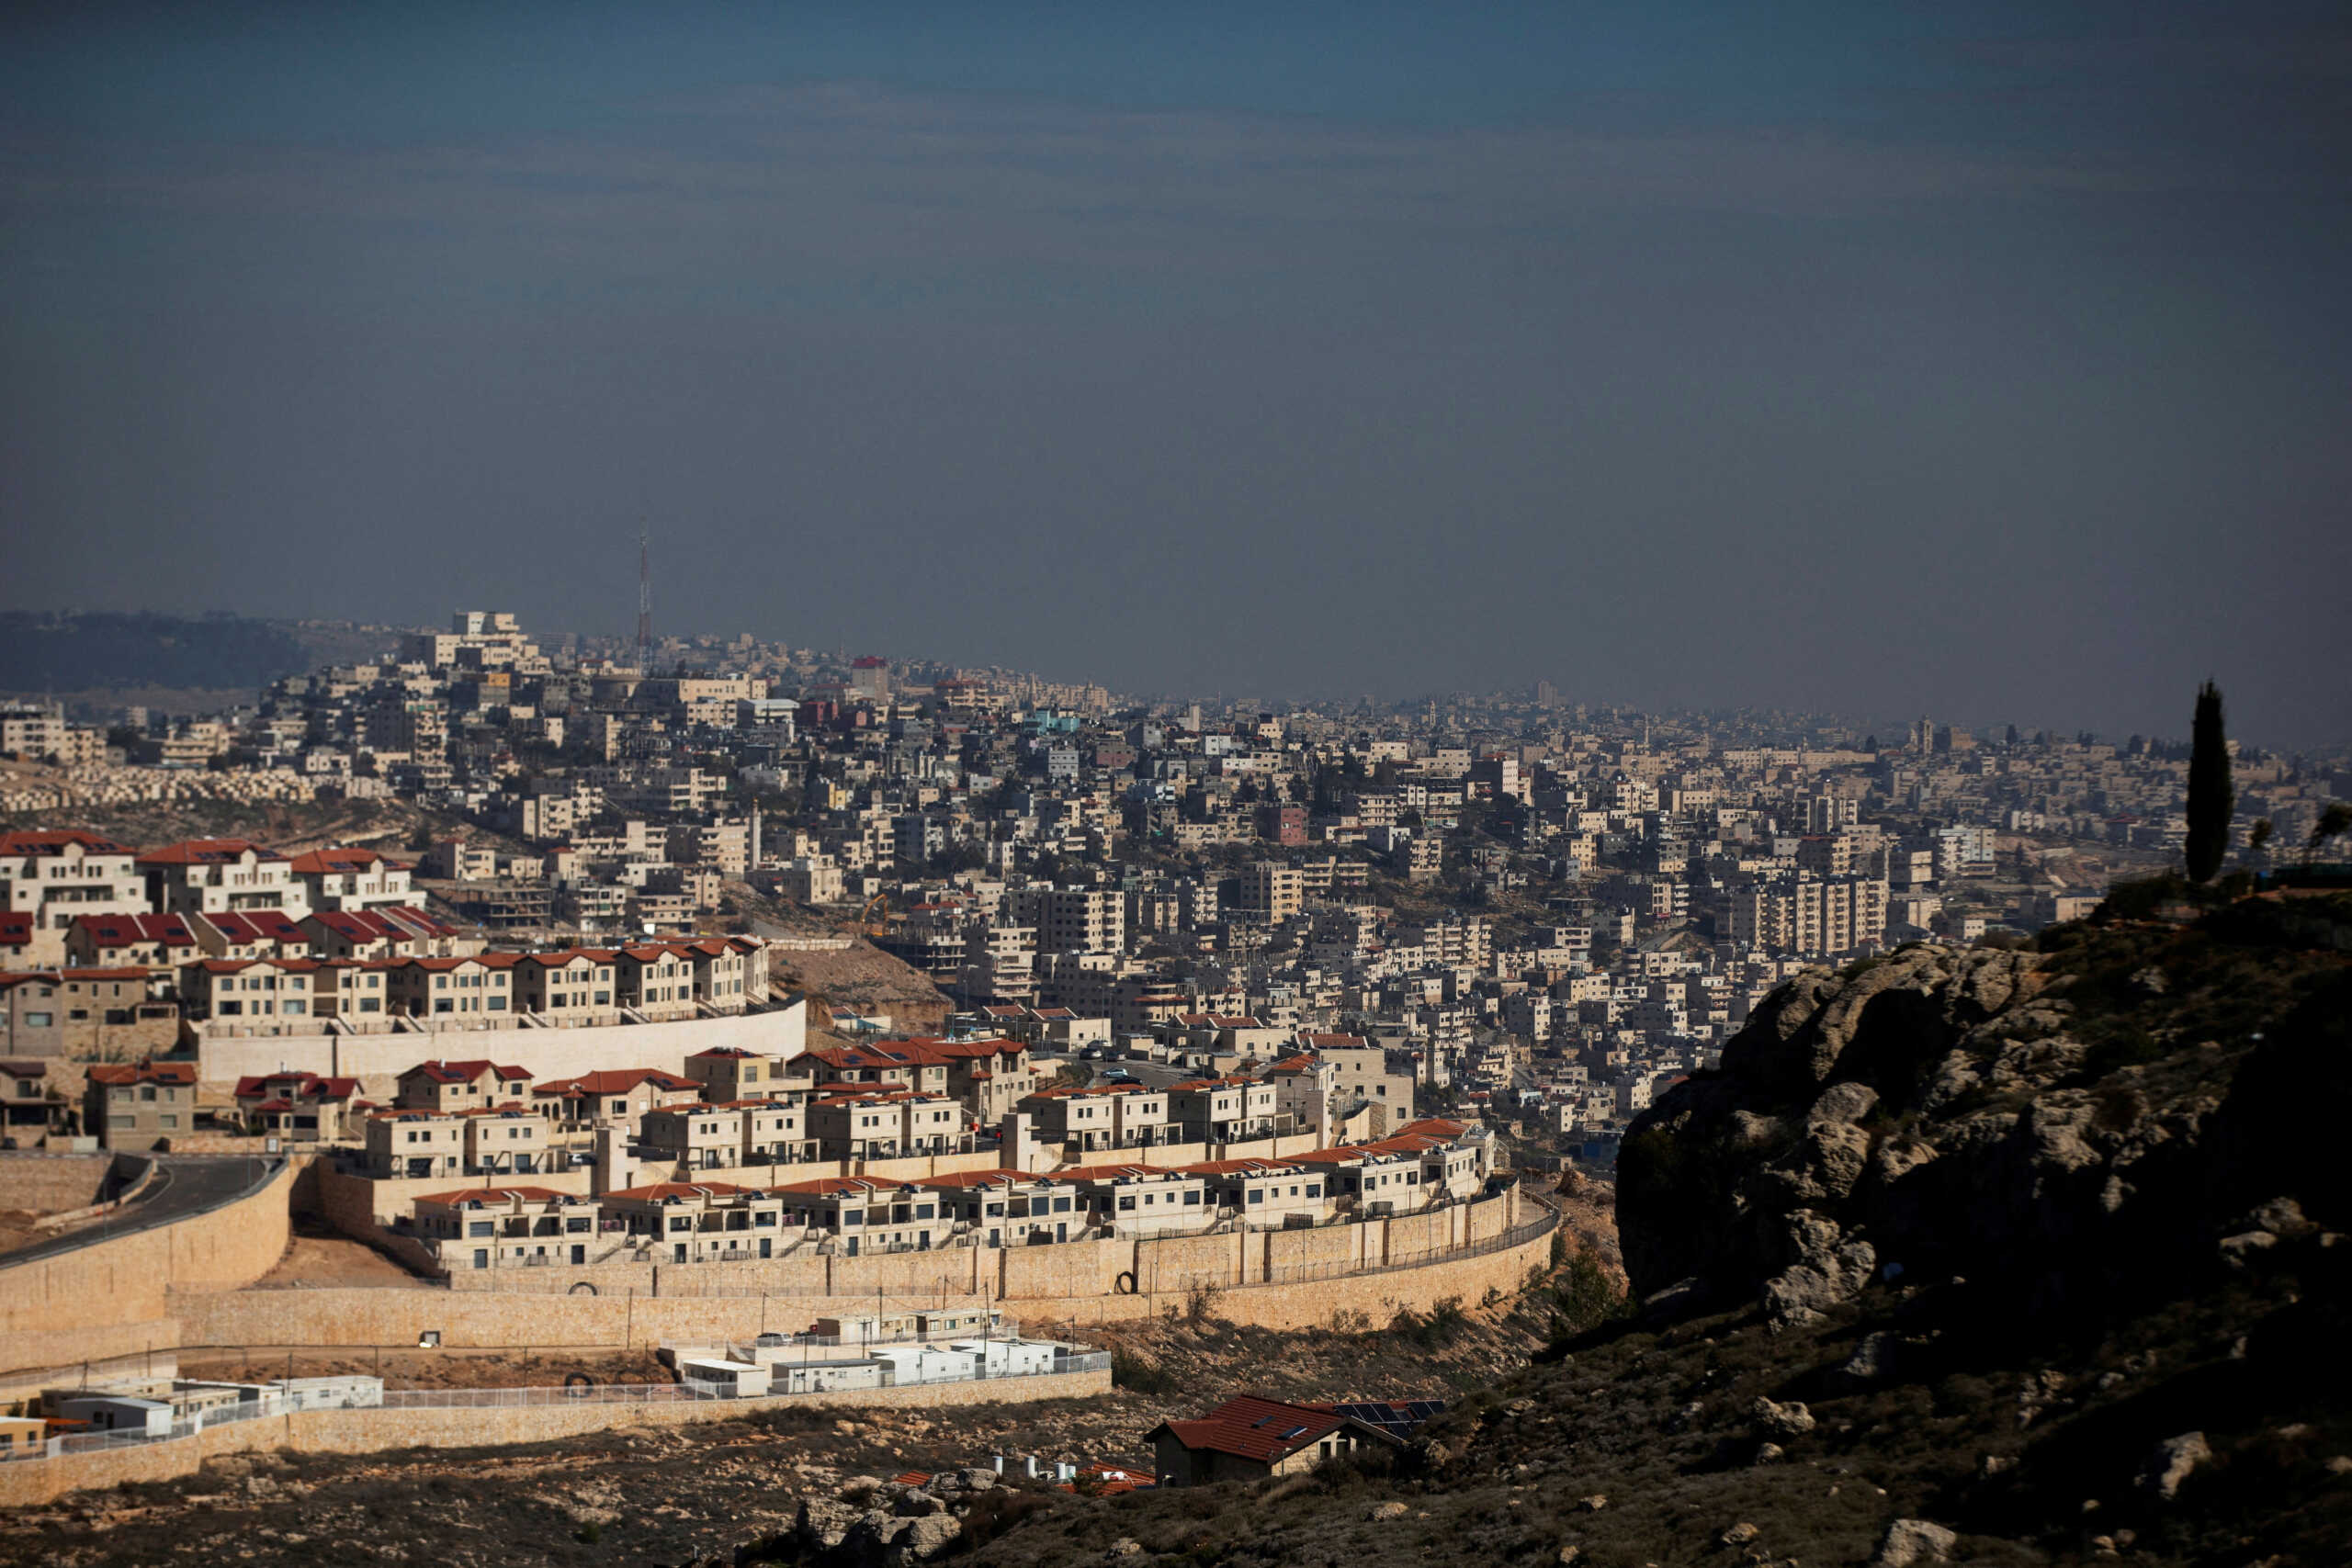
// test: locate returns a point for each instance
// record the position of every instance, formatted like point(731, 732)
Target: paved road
point(184, 1185)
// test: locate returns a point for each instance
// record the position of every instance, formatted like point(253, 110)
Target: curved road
point(184, 1185)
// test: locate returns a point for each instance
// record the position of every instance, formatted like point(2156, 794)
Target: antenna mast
point(644, 609)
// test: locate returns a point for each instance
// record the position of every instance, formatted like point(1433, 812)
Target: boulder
point(823, 1524)
point(1845, 1103)
point(1913, 1541)
point(1774, 1420)
point(1872, 1362)
point(976, 1478)
point(2171, 1462)
point(1385, 1511)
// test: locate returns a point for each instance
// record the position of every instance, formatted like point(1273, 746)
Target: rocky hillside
point(2121, 1111)
point(1973, 1255)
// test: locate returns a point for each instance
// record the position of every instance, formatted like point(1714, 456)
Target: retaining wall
point(51, 1184)
point(469, 1321)
point(1060, 1268)
point(124, 1279)
point(33, 1481)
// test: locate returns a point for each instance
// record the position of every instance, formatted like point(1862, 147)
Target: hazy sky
point(1989, 360)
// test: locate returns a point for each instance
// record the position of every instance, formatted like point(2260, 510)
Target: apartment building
point(203, 877)
point(1272, 892)
point(1006, 1208)
point(683, 979)
point(338, 879)
point(572, 987)
point(1073, 920)
point(407, 1144)
point(1109, 1116)
point(253, 995)
point(452, 988)
point(53, 877)
point(699, 1137)
point(101, 1014)
point(884, 1124)
point(857, 1215)
point(1139, 1199)
point(493, 1227)
point(730, 1074)
point(1363, 1076)
point(1264, 1194)
point(704, 1222)
point(507, 1140)
point(1222, 1111)
point(385, 931)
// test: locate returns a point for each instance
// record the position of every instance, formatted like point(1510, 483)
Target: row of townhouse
point(702, 1220)
point(55, 877)
point(570, 987)
point(1121, 1116)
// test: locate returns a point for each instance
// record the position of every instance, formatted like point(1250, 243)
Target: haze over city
point(1984, 360)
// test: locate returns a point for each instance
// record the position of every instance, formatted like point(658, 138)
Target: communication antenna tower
point(644, 608)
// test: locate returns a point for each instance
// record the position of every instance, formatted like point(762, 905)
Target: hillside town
point(1508, 908)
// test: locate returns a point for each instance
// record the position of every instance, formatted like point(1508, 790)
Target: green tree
point(2334, 823)
point(2257, 838)
point(2211, 799)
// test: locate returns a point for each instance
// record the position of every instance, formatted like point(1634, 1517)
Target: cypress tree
point(2210, 799)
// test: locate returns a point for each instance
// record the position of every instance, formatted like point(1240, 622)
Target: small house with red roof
point(1249, 1438)
point(462, 1085)
point(137, 1105)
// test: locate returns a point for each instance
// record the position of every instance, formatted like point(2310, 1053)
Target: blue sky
point(1986, 359)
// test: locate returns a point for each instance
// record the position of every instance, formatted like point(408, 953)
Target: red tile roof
point(145, 1072)
point(206, 851)
point(124, 931)
point(54, 841)
point(1253, 1429)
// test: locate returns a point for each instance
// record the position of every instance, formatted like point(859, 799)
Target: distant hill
point(79, 652)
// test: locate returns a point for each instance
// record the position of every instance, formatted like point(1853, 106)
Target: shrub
point(1441, 1325)
point(1133, 1372)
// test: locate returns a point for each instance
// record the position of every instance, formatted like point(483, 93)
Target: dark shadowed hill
point(1971, 1255)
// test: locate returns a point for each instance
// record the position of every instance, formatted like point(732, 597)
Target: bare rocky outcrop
point(1928, 1115)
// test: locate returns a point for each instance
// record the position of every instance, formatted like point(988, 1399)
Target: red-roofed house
point(51, 876)
point(352, 879)
point(615, 1097)
point(202, 876)
point(388, 932)
point(19, 942)
point(137, 1105)
point(495, 1227)
point(1249, 1438)
point(297, 1106)
point(462, 1085)
point(703, 1221)
point(160, 943)
point(251, 933)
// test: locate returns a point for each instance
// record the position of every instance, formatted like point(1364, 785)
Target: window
point(38, 1020)
point(482, 1227)
point(1191, 1199)
point(498, 1004)
point(1257, 1195)
point(441, 1004)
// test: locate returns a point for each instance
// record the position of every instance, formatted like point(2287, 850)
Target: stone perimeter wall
point(470, 1321)
point(31, 1483)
